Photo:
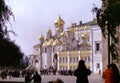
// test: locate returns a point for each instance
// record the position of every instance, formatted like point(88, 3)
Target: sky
point(35, 17)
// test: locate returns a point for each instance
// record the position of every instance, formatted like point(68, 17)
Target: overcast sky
point(35, 17)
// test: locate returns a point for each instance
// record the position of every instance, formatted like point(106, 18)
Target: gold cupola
point(71, 30)
point(49, 31)
point(59, 21)
point(63, 34)
point(41, 37)
point(84, 36)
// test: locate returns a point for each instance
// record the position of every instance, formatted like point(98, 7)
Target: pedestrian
point(108, 75)
point(82, 72)
point(37, 78)
point(27, 78)
point(58, 80)
point(116, 73)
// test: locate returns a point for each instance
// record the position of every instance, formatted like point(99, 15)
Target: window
point(76, 59)
point(45, 49)
point(60, 59)
point(73, 59)
point(36, 61)
point(63, 60)
point(97, 46)
point(85, 58)
point(66, 60)
point(70, 59)
point(98, 65)
point(88, 58)
point(36, 49)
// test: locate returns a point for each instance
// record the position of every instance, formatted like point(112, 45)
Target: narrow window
point(97, 47)
point(45, 49)
point(98, 65)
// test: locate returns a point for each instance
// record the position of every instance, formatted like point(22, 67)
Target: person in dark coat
point(116, 73)
point(27, 78)
point(36, 77)
point(82, 72)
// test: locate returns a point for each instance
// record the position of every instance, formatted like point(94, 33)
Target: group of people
point(111, 74)
point(36, 77)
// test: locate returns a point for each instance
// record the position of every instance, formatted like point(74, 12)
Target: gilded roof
point(56, 42)
point(45, 43)
point(50, 42)
point(59, 21)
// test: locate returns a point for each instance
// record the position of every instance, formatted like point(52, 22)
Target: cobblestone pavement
point(93, 78)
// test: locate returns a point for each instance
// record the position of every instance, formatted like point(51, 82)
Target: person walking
point(108, 75)
point(37, 78)
point(116, 74)
point(27, 78)
point(82, 72)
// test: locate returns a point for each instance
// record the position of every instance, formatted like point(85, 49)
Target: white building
point(63, 50)
point(95, 40)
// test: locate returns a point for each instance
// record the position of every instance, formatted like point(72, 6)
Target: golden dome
point(84, 36)
point(45, 43)
point(63, 34)
point(56, 42)
point(50, 42)
point(71, 29)
point(41, 37)
point(59, 21)
point(49, 31)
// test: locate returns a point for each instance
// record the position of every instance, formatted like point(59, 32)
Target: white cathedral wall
point(44, 60)
point(97, 55)
point(37, 50)
point(49, 56)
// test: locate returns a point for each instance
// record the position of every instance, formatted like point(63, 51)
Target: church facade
point(64, 49)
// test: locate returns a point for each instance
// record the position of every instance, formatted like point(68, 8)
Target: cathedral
point(64, 49)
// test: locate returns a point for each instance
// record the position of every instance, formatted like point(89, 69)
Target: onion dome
point(50, 42)
point(45, 43)
point(71, 30)
point(84, 36)
point(49, 31)
point(56, 42)
point(59, 21)
point(63, 34)
point(41, 37)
